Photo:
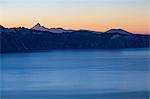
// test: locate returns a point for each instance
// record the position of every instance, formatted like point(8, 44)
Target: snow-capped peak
point(53, 30)
point(39, 27)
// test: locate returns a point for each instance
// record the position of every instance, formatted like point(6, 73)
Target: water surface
point(76, 74)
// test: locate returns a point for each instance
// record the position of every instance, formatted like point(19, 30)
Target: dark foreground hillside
point(22, 39)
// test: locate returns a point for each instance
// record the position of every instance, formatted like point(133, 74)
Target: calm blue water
point(76, 74)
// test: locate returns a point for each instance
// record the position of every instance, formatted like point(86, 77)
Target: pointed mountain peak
point(39, 27)
point(38, 24)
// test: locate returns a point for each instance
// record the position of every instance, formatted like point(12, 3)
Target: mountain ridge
point(23, 39)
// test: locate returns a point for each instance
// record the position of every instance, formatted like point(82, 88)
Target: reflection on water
point(75, 72)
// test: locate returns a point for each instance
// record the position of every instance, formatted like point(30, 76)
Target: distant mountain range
point(42, 38)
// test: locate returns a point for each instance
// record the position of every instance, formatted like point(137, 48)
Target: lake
point(76, 74)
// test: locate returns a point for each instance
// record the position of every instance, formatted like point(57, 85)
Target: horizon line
point(145, 33)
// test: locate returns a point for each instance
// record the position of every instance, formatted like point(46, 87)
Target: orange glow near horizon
point(98, 15)
point(102, 27)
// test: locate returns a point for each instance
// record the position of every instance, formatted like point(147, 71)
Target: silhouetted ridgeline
point(22, 39)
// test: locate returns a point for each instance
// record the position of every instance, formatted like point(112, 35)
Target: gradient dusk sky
point(99, 15)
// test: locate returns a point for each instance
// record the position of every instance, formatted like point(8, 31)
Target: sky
point(99, 15)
